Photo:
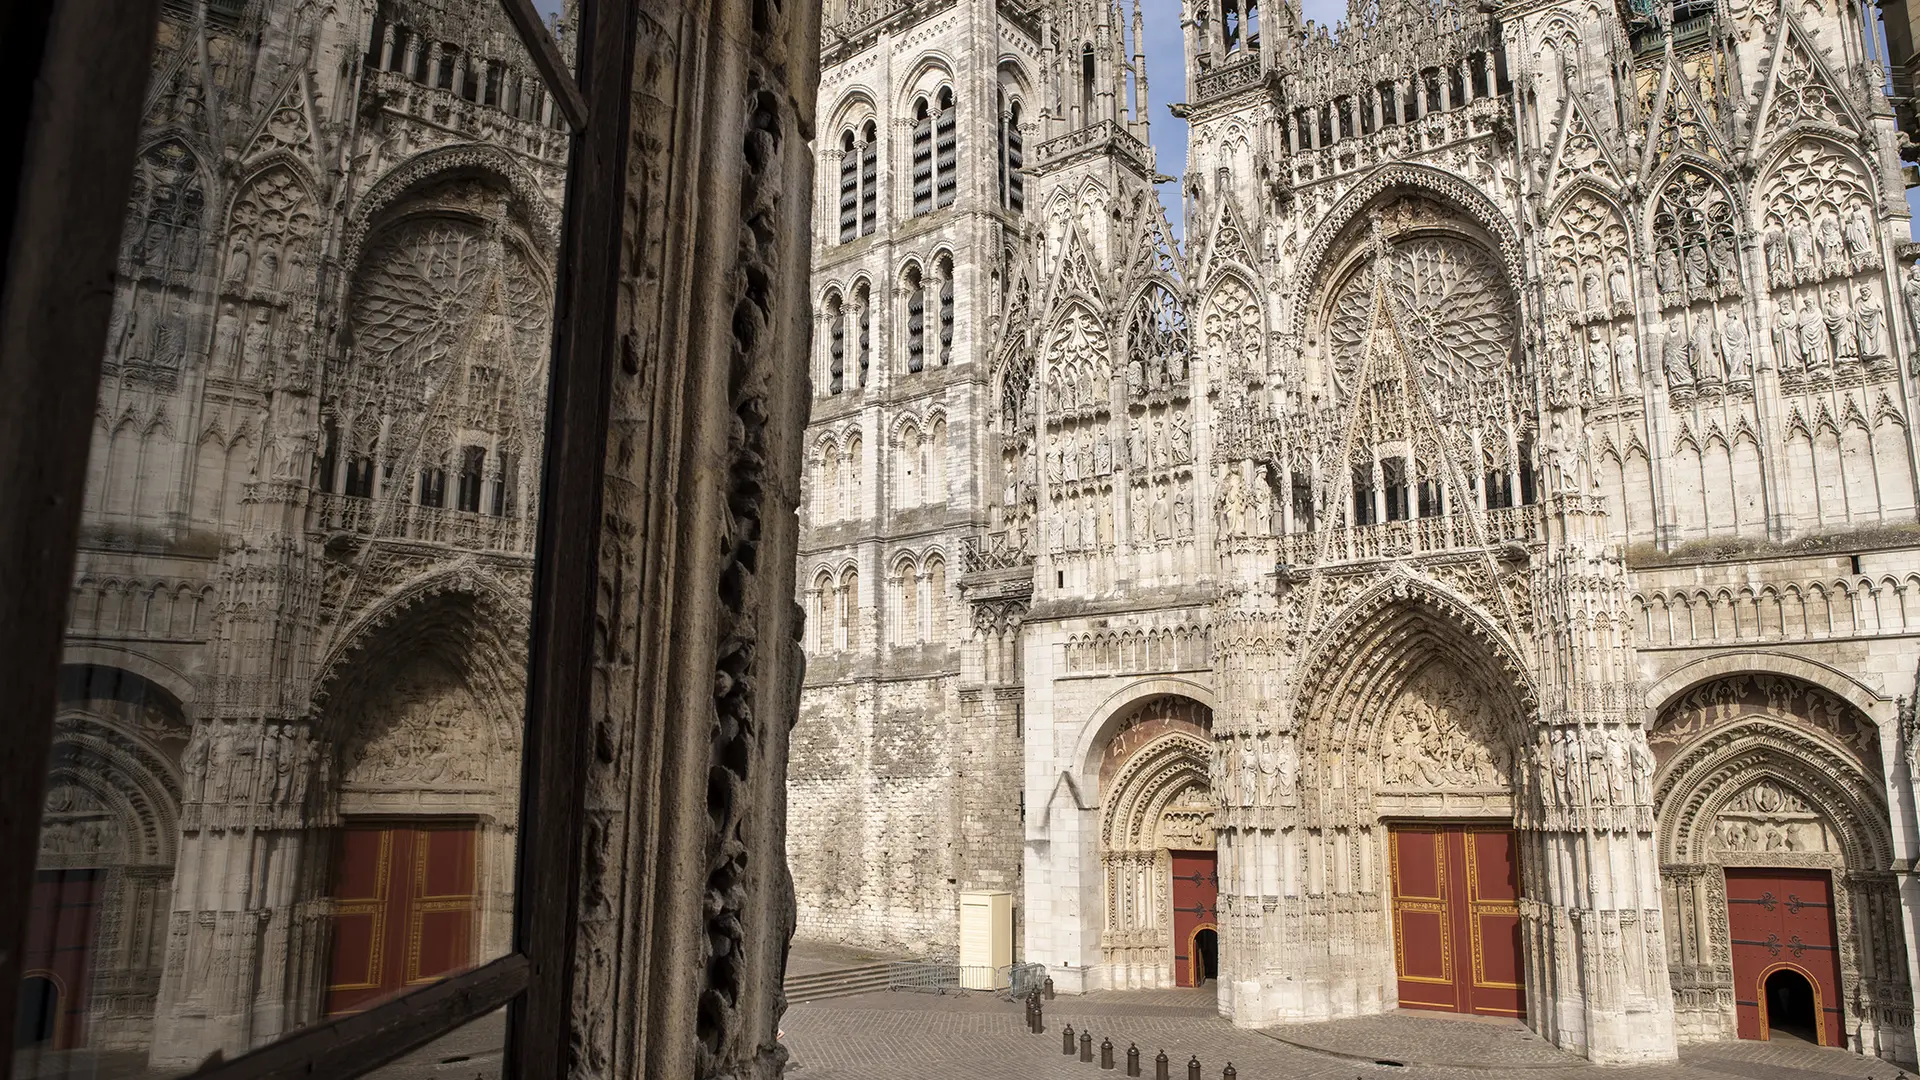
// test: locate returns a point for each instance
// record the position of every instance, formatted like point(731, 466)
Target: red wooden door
point(1782, 919)
point(404, 909)
point(58, 953)
point(1456, 918)
point(1196, 899)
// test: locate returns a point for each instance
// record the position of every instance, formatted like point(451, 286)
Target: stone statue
point(1674, 353)
point(1181, 450)
point(258, 345)
point(1800, 245)
point(1162, 516)
point(1860, 238)
point(1666, 269)
point(1871, 319)
point(1083, 451)
point(1136, 375)
point(1704, 351)
point(1102, 453)
point(1626, 360)
point(1842, 328)
point(1726, 264)
point(1599, 363)
point(1779, 272)
point(1814, 343)
point(1735, 348)
point(1595, 296)
point(1698, 271)
point(1831, 242)
point(1056, 461)
point(1787, 332)
point(1569, 297)
point(1619, 285)
point(226, 338)
point(1182, 515)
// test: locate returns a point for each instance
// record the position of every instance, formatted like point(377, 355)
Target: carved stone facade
point(302, 591)
point(1520, 433)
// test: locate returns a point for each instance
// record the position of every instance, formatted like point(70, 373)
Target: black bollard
point(1133, 1059)
point(1106, 1053)
point(1160, 1070)
point(1049, 986)
point(1086, 1047)
point(1228, 1073)
point(1039, 1019)
point(1193, 1067)
point(1066, 1040)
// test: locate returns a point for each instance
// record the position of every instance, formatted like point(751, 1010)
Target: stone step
point(840, 982)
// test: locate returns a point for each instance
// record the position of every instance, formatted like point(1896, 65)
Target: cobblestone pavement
point(901, 1036)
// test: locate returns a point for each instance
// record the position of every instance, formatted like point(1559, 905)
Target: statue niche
point(1441, 734)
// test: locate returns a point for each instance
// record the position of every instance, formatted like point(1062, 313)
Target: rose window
point(1450, 302)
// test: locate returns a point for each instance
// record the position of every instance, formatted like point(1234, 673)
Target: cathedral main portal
point(1456, 918)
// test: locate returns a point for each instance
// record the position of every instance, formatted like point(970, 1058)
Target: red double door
point(404, 909)
point(1456, 918)
point(1196, 900)
point(1781, 925)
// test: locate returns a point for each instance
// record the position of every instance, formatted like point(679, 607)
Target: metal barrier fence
point(1010, 980)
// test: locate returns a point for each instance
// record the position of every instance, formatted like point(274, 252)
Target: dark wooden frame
point(77, 71)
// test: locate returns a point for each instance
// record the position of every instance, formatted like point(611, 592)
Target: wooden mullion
point(566, 564)
point(358, 1044)
point(546, 58)
point(74, 76)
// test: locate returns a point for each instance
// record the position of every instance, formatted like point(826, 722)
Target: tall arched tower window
point(944, 271)
point(946, 137)
point(1013, 182)
point(849, 187)
point(859, 177)
point(863, 316)
point(1086, 83)
point(936, 146)
point(916, 320)
point(869, 178)
point(836, 344)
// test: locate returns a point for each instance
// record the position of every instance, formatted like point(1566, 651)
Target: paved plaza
point(968, 1036)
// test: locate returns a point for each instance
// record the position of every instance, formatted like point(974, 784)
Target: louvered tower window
point(946, 311)
point(863, 312)
point(836, 345)
point(849, 187)
point(1013, 181)
point(946, 137)
point(922, 157)
point(869, 179)
point(916, 321)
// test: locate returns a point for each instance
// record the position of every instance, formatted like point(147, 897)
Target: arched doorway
point(109, 835)
point(425, 740)
point(1792, 1005)
point(1408, 751)
point(36, 1016)
point(1205, 952)
point(1157, 846)
point(1774, 842)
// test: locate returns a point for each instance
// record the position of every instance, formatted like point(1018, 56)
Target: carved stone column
point(1591, 908)
point(684, 904)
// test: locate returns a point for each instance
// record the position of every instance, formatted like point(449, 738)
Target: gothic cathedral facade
point(296, 660)
point(1476, 568)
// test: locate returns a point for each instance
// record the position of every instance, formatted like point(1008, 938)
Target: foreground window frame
point(78, 69)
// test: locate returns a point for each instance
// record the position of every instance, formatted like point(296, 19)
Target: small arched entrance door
point(1205, 953)
point(38, 1011)
point(1156, 842)
point(1791, 1004)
